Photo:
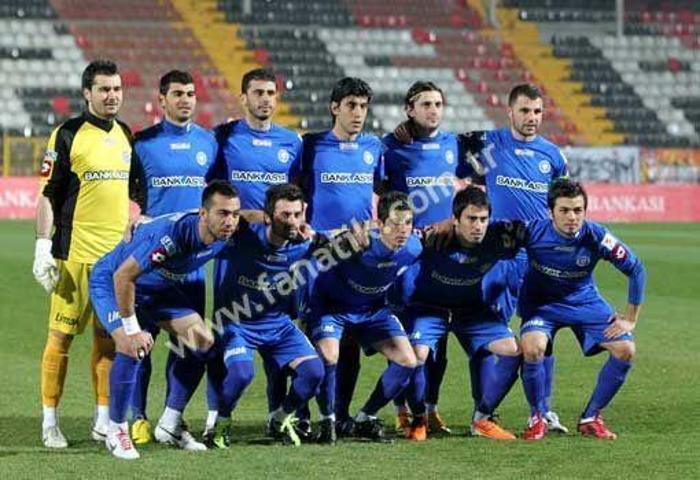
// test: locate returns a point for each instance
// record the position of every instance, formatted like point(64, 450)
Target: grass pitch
point(656, 413)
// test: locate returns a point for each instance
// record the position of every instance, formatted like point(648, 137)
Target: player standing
point(341, 169)
point(171, 162)
point(426, 169)
point(559, 291)
point(255, 154)
point(85, 201)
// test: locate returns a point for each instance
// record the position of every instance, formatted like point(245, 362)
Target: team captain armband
point(613, 245)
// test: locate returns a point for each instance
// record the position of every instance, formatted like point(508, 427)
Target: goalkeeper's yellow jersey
point(85, 175)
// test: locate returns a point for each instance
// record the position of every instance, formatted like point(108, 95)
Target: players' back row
point(339, 170)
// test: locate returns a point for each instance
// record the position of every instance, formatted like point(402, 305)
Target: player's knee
point(241, 373)
point(533, 348)
point(407, 359)
point(205, 340)
point(625, 351)
point(59, 340)
point(421, 352)
point(312, 369)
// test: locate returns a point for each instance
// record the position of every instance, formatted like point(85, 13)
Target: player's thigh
point(397, 350)
point(71, 310)
point(190, 329)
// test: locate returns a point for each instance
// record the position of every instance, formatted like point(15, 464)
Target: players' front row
point(397, 293)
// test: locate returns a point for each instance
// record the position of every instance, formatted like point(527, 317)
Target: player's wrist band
point(131, 325)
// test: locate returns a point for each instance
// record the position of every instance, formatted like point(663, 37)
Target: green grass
point(655, 414)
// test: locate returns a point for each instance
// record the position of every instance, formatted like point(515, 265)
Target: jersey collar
point(170, 127)
point(100, 123)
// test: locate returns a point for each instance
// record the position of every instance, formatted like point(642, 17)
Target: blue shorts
point(174, 301)
point(426, 326)
point(281, 345)
point(366, 328)
point(587, 320)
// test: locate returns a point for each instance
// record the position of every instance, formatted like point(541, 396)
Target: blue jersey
point(560, 268)
point(517, 173)
point(425, 170)
point(339, 177)
point(257, 283)
point(452, 276)
point(167, 249)
point(361, 282)
point(171, 163)
point(253, 160)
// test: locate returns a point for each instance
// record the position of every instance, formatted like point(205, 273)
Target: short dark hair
point(470, 196)
point(524, 89)
point(419, 87)
point(257, 74)
point(174, 76)
point(284, 191)
point(98, 67)
point(222, 187)
point(351, 86)
point(393, 201)
point(565, 188)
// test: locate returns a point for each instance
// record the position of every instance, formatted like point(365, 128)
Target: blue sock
point(216, 373)
point(308, 375)
point(610, 379)
point(139, 399)
point(122, 378)
point(400, 399)
point(415, 392)
point(394, 379)
point(548, 380)
point(435, 367)
point(480, 364)
point(238, 377)
point(498, 382)
point(326, 395)
point(533, 384)
point(276, 385)
point(183, 379)
point(347, 372)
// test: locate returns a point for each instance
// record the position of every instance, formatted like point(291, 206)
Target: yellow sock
point(101, 363)
point(54, 365)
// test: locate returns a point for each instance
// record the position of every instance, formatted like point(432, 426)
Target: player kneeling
point(559, 291)
point(148, 277)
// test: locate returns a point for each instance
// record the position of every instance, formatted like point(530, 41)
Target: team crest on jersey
point(47, 163)
point(283, 155)
point(449, 157)
point(583, 261)
point(126, 156)
point(545, 167)
point(201, 158)
point(368, 157)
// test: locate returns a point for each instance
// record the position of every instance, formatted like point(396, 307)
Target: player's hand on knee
point(44, 269)
point(618, 326)
point(139, 344)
